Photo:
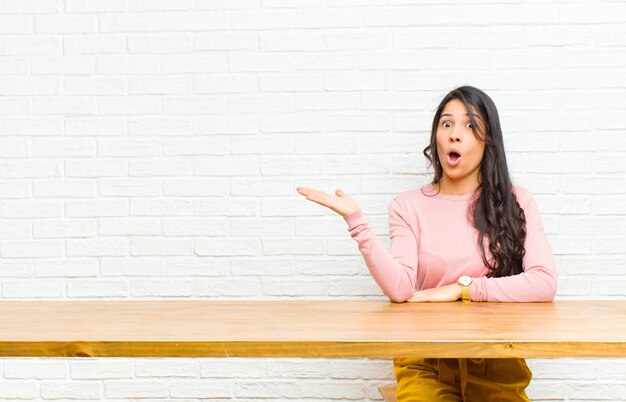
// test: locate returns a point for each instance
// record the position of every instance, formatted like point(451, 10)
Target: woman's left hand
point(445, 293)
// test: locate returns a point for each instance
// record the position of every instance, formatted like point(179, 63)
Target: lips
point(454, 156)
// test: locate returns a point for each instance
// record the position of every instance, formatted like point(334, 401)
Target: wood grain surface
point(325, 328)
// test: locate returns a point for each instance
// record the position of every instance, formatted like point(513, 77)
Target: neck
point(456, 188)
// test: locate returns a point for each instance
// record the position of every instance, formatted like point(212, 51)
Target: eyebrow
point(450, 114)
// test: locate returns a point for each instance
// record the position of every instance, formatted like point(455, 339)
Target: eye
point(447, 122)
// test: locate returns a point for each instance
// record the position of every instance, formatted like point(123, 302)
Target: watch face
point(465, 280)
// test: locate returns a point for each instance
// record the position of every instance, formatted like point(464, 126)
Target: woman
point(469, 234)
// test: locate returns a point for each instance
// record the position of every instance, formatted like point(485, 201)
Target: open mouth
point(453, 158)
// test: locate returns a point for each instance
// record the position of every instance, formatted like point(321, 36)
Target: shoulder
point(407, 196)
point(406, 200)
point(523, 195)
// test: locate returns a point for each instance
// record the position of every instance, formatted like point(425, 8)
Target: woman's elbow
point(549, 291)
point(399, 297)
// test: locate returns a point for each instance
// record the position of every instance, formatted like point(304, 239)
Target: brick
point(295, 287)
point(160, 246)
point(131, 266)
point(365, 369)
point(30, 288)
point(97, 247)
point(129, 105)
point(262, 19)
point(160, 167)
point(66, 268)
point(195, 266)
point(28, 6)
point(344, 17)
point(217, 207)
point(195, 63)
point(96, 288)
point(161, 5)
point(31, 168)
point(130, 187)
point(29, 45)
point(30, 208)
point(94, 6)
point(16, 269)
point(129, 226)
point(162, 287)
point(297, 368)
point(126, 64)
point(226, 40)
point(95, 168)
point(101, 369)
point(160, 85)
point(167, 368)
point(93, 43)
point(262, 267)
point(161, 207)
point(64, 228)
point(227, 247)
point(62, 105)
point(360, 41)
point(291, 83)
point(60, 24)
point(265, 227)
point(201, 389)
point(268, 389)
point(161, 43)
point(194, 105)
point(28, 86)
point(35, 369)
point(64, 188)
point(194, 187)
point(94, 86)
point(16, 24)
point(335, 390)
point(317, 266)
point(95, 126)
point(197, 21)
point(233, 368)
point(131, 22)
point(96, 208)
point(194, 227)
point(19, 390)
point(228, 287)
point(32, 248)
point(222, 83)
point(14, 106)
point(135, 389)
point(68, 65)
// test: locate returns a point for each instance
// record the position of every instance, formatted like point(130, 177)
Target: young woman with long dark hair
point(469, 235)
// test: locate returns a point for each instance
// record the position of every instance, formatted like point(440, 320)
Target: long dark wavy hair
point(495, 212)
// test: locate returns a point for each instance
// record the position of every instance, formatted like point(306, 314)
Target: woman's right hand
point(340, 203)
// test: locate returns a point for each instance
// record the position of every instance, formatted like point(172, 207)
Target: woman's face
point(455, 136)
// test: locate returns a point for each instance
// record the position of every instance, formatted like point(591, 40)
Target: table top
point(320, 328)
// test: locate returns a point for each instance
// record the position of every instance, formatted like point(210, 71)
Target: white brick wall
point(151, 148)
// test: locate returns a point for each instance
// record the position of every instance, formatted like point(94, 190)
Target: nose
point(455, 136)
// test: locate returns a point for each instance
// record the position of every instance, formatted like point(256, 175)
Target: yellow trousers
point(456, 380)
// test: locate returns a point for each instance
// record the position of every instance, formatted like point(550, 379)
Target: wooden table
point(332, 329)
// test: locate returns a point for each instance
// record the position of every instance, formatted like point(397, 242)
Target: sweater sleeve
point(538, 281)
point(395, 272)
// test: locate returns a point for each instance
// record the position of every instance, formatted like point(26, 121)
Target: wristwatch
point(464, 282)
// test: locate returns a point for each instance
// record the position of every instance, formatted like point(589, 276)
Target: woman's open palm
point(340, 203)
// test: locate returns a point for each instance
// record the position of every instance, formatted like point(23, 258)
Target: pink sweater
point(433, 243)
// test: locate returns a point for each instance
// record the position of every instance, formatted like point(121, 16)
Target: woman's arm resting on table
point(538, 282)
